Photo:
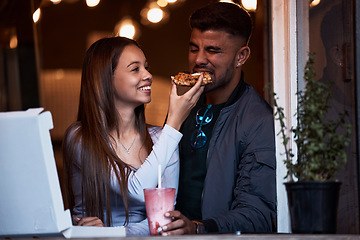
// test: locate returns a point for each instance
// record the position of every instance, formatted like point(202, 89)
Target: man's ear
point(242, 55)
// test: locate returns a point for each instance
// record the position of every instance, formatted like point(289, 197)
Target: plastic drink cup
point(158, 201)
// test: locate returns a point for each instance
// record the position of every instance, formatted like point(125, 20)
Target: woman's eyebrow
point(136, 62)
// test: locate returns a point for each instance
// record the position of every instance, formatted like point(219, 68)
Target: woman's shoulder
point(71, 144)
point(154, 131)
point(72, 131)
point(73, 128)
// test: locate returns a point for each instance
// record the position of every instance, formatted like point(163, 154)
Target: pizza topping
point(186, 79)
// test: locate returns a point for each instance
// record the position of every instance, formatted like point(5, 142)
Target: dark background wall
point(64, 30)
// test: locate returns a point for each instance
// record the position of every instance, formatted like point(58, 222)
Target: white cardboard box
point(31, 203)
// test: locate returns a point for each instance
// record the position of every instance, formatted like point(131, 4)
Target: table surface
point(275, 236)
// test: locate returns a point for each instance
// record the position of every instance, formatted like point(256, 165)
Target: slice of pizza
point(186, 79)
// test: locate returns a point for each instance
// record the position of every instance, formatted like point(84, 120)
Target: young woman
point(110, 154)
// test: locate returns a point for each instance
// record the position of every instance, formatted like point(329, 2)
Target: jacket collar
point(238, 91)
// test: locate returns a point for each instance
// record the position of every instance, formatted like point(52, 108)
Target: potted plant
point(312, 190)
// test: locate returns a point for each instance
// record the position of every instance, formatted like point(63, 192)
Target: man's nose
point(201, 58)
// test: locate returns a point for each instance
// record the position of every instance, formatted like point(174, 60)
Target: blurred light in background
point(162, 3)
point(228, 1)
point(249, 5)
point(36, 15)
point(155, 15)
point(127, 28)
point(314, 3)
point(92, 3)
point(171, 1)
point(59, 73)
point(152, 13)
point(55, 1)
point(13, 42)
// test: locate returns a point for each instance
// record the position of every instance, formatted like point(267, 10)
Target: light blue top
point(165, 152)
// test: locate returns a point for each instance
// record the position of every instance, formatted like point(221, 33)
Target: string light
point(228, 1)
point(314, 3)
point(92, 3)
point(162, 3)
point(151, 14)
point(13, 42)
point(155, 15)
point(36, 15)
point(55, 1)
point(127, 28)
point(249, 5)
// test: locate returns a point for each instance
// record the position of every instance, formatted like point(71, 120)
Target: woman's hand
point(89, 221)
point(180, 106)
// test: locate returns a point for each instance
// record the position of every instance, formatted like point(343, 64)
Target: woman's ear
point(242, 55)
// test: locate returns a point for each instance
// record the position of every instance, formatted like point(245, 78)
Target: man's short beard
point(220, 81)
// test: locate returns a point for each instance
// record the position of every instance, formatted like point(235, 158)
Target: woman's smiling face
point(132, 80)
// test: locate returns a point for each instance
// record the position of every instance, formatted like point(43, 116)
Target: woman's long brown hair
point(97, 117)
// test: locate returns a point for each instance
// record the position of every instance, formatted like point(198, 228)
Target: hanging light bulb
point(228, 1)
point(249, 5)
point(55, 1)
point(155, 15)
point(314, 3)
point(36, 15)
point(13, 42)
point(92, 3)
point(162, 3)
point(127, 28)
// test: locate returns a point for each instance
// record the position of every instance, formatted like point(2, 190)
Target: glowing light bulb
point(249, 5)
point(55, 1)
point(127, 30)
point(162, 3)
point(228, 1)
point(36, 15)
point(92, 3)
point(155, 15)
point(13, 42)
point(314, 3)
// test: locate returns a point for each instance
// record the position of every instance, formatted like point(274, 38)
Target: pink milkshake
point(158, 201)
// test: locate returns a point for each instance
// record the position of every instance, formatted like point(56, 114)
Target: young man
point(227, 153)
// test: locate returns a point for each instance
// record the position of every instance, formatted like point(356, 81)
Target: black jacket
point(240, 186)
